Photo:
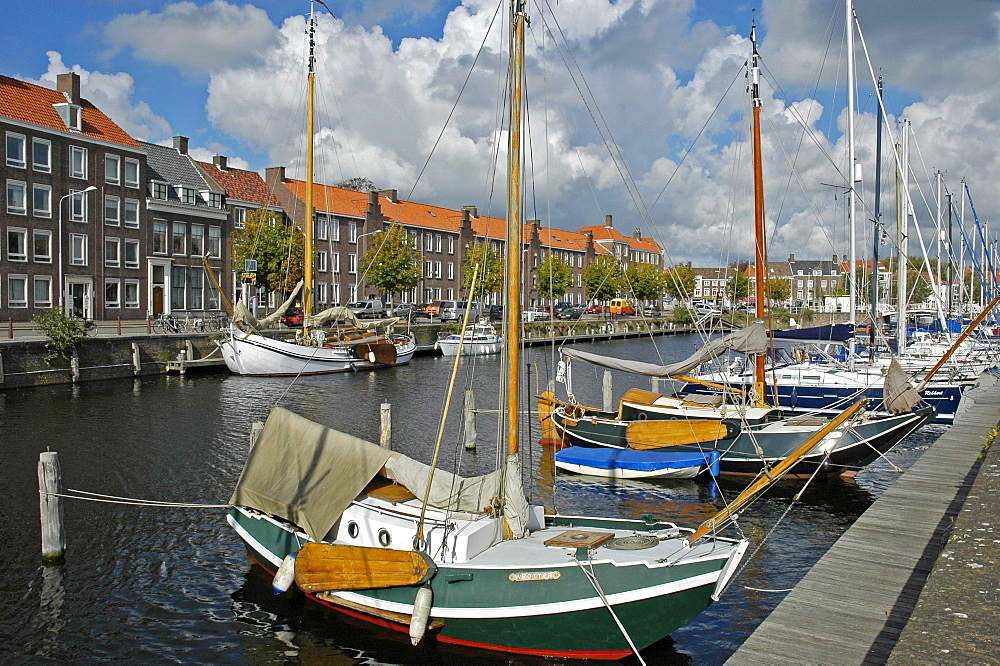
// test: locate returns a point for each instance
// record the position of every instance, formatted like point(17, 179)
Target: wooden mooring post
point(51, 509)
point(607, 392)
point(385, 425)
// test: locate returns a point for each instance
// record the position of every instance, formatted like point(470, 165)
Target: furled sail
point(244, 320)
point(897, 393)
point(749, 340)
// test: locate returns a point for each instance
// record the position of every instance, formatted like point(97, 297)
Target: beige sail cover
point(305, 472)
point(749, 340)
point(478, 494)
point(244, 320)
point(897, 393)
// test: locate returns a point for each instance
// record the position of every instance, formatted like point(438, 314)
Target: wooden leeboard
point(646, 435)
point(321, 567)
point(384, 352)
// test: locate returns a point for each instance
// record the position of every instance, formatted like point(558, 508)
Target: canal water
point(154, 584)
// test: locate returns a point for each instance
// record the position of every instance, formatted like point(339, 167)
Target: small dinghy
point(631, 464)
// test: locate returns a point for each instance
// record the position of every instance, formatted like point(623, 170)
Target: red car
point(292, 318)
point(596, 309)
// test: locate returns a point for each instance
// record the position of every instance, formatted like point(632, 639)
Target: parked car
point(559, 307)
point(571, 313)
point(404, 310)
point(421, 312)
point(597, 309)
point(370, 309)
point(433, 309)
point(651, 311)
point(622, 306)
point(534, 314)
point(704, 309)
point(496, 313)
point(455, 310)
point(292, 318)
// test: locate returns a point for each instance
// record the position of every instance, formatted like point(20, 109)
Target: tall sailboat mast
point(877, 221)
point(760, 258)
point(852, 274)
point(307, 287)
point(512, 307)
point(902, 230)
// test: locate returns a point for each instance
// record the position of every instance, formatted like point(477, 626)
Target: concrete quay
point(916, 578)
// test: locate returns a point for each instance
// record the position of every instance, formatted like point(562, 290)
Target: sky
point(648, 124)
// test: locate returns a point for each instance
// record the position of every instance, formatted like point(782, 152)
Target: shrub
point(683, 315)
point(64, 332)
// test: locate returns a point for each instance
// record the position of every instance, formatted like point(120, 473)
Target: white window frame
point(22, 302)
point(197, 234)
point(451, 245)
point(131, 165)
point(115, 302)
point(178, 230)
point(352, 266)
point(322, 227)
point(13, 188)
point(321, 261)
point(112, 211)
point(46, 196)
point(215, 242)
point(335, 262)
point(41, 258)
point(131, 250)
point(13, 141)
point(112, 251)
point(321, 292)
point(187, 195)
point(112, 169)
point(162, 229)
point(128, 220)
point(17, 244)
point(352, 232)
point(78, 249)
point(334, 229)
point(451, 270)
point(131, 287)
point(46, 300)
point(77, 162)
point(239, 217)
point(79, 207)
point(46, 166)
point(437, 242)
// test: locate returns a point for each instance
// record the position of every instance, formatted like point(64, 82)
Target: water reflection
point(149, 584)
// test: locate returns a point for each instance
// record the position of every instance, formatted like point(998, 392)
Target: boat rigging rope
point(592, 577)
point(113, 499)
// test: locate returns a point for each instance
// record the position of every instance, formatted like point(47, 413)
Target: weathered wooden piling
point(385, 425)
point(469, 414)
point(607, 392)
point(51, 509)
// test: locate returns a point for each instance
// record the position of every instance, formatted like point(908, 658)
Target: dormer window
point(213, 199)
point(187, 194)
point(70, 114)
point(160, 191)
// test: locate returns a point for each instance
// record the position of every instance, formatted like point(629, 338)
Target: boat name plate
point(523, 576)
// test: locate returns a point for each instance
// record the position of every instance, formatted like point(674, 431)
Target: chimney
point(69, 85)
point(181, 144)
point(220, 162)
point(274, 175)
point(638, 234)
point(791, 258)
point(607, 221)
point(391, 195)
point(471, 210)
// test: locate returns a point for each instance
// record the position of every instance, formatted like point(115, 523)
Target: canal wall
point(136, 353)
point(915, 579)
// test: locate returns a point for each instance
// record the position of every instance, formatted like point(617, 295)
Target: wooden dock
point(852, 606)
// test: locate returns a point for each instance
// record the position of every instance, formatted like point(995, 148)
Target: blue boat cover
point(643, 461)
point(830, 332)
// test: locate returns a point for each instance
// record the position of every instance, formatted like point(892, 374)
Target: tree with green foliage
point(780, 288)
point(645, 281)
point(554, 277)
point(491, 268)
point(920, 289)
point(738, 285)
point(680, 281)
point(64, 333)
point(602, 279)
point(683, 315)
point(277, 248)
point(392, 264)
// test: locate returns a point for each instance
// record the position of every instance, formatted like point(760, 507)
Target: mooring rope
point(592, 577)
point(114, 499)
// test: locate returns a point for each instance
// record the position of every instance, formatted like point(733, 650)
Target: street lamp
point(62, 288)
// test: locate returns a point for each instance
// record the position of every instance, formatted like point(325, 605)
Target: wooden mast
point(512, 334)
point(307, 254)
point(760, 259)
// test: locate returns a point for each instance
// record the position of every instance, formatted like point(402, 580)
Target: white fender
point(421, 613)
point(285, 575)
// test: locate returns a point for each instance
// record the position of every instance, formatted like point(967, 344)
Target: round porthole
point(384, 538)
point(352, 530)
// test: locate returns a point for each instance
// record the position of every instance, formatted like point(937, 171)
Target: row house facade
point(73, 210)
point(189, 226)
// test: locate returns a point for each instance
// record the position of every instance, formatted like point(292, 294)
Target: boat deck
point(853, 605)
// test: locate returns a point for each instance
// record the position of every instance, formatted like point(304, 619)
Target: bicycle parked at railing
point(169, 324)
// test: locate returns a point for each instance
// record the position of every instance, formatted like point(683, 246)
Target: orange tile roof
point(241, 184)
point(329, 199)
point(605, 233)
point(32, 104)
